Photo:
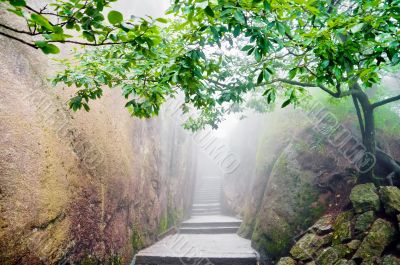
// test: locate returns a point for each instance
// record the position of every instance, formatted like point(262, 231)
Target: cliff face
point(293, 176)
point(81, 186)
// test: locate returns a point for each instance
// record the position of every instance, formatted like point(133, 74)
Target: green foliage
point(115, 17)
point(218, 53)
point(136, 239)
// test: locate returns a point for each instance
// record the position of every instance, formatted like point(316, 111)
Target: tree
point(341, 47)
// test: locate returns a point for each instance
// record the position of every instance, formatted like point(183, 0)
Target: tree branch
point(20, 40)
point(16, 30)
point(359, 116)
point(385, 101)
point(324, 88)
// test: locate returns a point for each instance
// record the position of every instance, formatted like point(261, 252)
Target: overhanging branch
point(385, 101)
point(20, 40)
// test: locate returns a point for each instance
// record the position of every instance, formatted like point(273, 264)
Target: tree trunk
point(367, 128)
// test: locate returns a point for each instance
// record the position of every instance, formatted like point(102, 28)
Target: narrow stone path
point(207, 238)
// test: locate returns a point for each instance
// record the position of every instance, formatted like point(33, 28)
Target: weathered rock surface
point(80, 186)
point(345, 262)
point(390, 260)
point(390, 197)
point(286, 261)
point(364, 221)
point(381, 235)
point(353, 240)
point(342, 227)
point(364, 197)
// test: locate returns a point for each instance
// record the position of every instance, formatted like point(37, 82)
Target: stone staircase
point(207, 238)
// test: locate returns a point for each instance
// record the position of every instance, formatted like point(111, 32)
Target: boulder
point(286, 261)
point(354, 244)
point(364, 221)
point(364, 198)
point(289, 206)
point(342, 227)
point(380, 236)
point(390, 260)
point(308, 245)
point(304, 248)
point(398, 221)
point(390, 197)
point(323, 225)
point(345, 262)
point(310, 263)
point(329, 256)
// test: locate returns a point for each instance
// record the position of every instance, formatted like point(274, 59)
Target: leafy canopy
point(222, 54)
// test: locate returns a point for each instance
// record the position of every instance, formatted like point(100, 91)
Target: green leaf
point(47, 48)
point(267, 91)
point(162, 20)
point(239, 16)
point(357, 28)
point(208, 10)
point(287, 102)
point(281, 28)
point(18, 2)
point(41, 21)
point(115, 17)
point(292, 73)
point(260, 77)
point(267, 5)
point(325, 64)
point(258, 55)
point(246, 48)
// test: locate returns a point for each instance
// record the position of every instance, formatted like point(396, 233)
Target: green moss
point(274, 243)
point(136, 239)
point(112, 260)
point(171, 218)
point(307, 213)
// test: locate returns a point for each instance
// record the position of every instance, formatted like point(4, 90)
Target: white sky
point(139, 8)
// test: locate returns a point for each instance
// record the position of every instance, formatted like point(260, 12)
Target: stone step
point(199, 249)
point(199, 208)
point(207, 213)
point(209, 230)
point(207, 197)
point(159, 260)
point(207, 192)
point(205, 201)
point(213, 224)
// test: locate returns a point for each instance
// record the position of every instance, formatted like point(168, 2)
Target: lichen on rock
point(380, 235)
point(364, 221)
point(286, 261)
point(364, 198)
point(342, 227)
point(390, 197)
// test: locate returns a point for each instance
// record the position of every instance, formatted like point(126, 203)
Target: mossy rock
point(272, 242)
point(329, 256)
point(354, 244)
point(381, 235)
point(390, 260)
point(390, 197)
point(323, 225)
point(364, 197)
point(364, 221)
point(308, 245)
point(342, 227)
point(345, 262)
point(286, 261)
point(398, 221)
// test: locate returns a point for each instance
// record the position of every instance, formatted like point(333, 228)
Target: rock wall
point(78, 187)
point(368, 233)
point(295, 175)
